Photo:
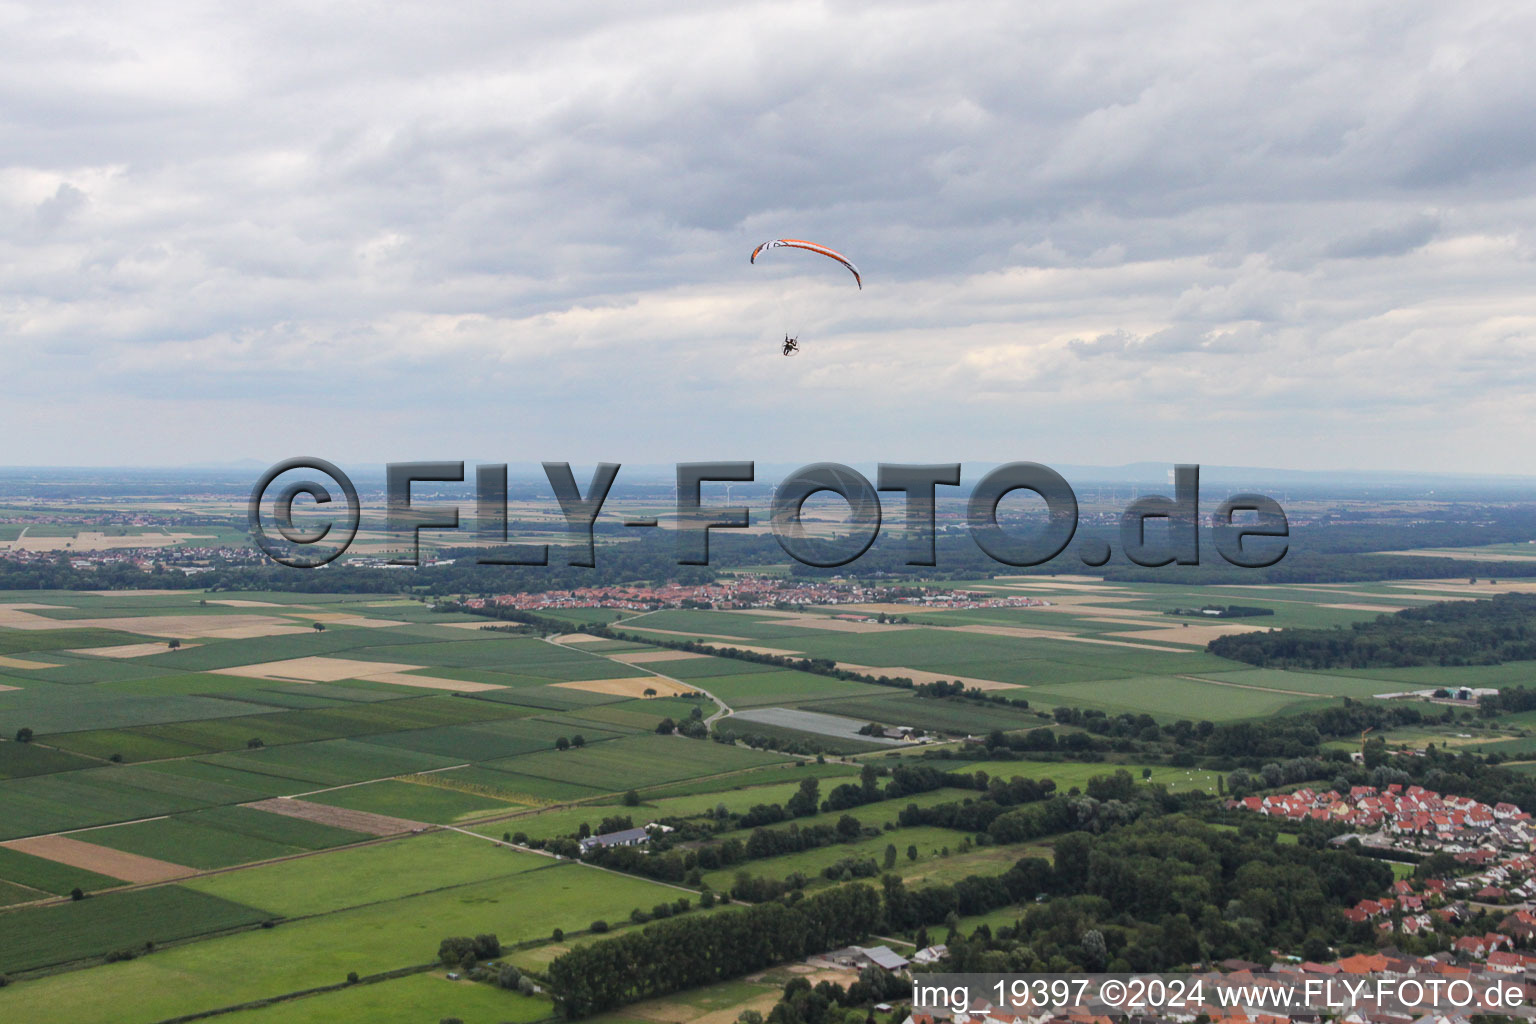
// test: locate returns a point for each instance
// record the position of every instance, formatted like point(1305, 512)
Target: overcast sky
point(1295, 235)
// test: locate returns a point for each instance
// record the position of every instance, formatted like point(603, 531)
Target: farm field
point(36, 937)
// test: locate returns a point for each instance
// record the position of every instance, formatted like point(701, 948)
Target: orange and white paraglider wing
point(800, 243)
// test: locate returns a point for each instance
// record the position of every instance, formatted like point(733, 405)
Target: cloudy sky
point(1298, 235)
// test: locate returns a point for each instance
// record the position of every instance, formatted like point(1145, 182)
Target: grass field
point(413, 800)
point(1067, 774)
point(930, 843)
point(636, 761)
point(368, 874)
point(782, 686)
point(416, 997)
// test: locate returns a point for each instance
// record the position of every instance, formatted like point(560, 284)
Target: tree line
point(682, 953)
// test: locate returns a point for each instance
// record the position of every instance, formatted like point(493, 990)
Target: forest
point(1444, 633)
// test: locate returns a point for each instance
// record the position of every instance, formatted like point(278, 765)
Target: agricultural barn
point(883, 957)
point(628, 837)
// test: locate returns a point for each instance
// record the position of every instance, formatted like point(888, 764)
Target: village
point(1259, 983)
point(753, 591)
point(1494, 843)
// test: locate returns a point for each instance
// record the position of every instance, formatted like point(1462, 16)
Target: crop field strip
point(43, 936)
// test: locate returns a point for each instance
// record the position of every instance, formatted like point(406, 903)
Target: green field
point(934, 715)
point(416, 997)
point(49, 876)
point(636, 761)
point(37, 937)
point(368, 874)
point(783, 686)
point(930, 842)
point(414, 801)
point(300, 955)
point(1067, 774)
point(219, 837)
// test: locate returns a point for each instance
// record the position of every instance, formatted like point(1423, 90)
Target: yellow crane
point(1362, 742)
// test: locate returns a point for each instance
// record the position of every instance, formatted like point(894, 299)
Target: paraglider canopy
point(800, 243)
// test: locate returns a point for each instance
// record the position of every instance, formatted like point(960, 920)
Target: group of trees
point(693, 726)
point(682, 953)
point(464, 951)
point(1163, 892)
point(668, 859)
point(1158, 893)
point(1443, 633)
point(829, 1003)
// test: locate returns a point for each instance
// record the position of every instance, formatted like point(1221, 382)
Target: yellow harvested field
point(252, 632)
point(574, 638)
point(642, 657)
point(430, 682)
point(331, 670)
point(129, 650)
point(24, 663)
point(1199, 634)
point(235, 602)
point(6, 689)
point(145, 593)
point(316, 669)
point(634, 686)
point(95, 540)
point(918, 675)
point(130, 867)
point(18, 616)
